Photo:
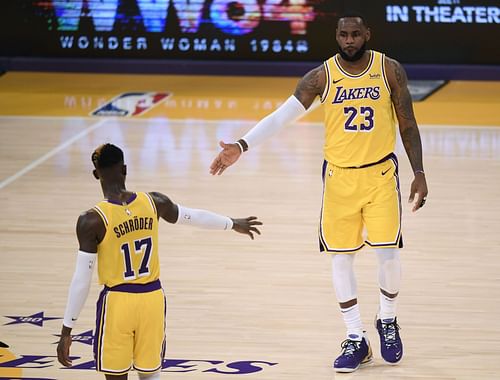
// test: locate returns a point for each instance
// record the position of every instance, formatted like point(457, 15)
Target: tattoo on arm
point(310, 86)
point(403, 106)
point(413, 146)
point(400, 94)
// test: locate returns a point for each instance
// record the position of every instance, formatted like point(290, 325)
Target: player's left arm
point(175, 213)
point(408, 129)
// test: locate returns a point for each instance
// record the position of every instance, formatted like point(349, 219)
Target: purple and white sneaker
point(355, 353)
point(391, 346)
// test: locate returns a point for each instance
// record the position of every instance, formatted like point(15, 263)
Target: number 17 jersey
point(129, 251)
point(360, 125)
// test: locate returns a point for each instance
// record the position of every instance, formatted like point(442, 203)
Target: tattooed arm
point(310, 86)
point(408, 128)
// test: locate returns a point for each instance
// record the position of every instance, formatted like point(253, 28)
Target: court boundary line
point(51, 153)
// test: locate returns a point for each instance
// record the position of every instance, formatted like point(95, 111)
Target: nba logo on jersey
point(131, 104)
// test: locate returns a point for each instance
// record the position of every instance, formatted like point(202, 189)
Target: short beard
point(356, 57)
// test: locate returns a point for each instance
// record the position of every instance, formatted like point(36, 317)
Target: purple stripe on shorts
point(164, 344)
point(136, 288)
point(101, 305)
point(323, 170)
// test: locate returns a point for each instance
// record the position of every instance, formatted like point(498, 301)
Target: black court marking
point(422, 89)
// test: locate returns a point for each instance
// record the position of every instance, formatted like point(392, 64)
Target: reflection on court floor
point(262, 309)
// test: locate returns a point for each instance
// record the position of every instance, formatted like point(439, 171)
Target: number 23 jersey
point(360, 125)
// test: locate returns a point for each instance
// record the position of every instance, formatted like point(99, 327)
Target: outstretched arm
point(408, 129)
point(310, 86)
point(90, 231)
point(175, 213)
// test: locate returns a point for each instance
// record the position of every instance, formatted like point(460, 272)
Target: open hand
point(246, 226)
point(228, 156)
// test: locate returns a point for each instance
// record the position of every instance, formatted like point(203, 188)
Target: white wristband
point(287, 113)
point(203, 219)
point(240, 146)
point(79, 288)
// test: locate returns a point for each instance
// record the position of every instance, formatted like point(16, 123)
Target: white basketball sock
point(389, 276)
point(387, 310)
point(352, 320)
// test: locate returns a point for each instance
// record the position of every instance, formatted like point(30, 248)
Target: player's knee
point(149, 376)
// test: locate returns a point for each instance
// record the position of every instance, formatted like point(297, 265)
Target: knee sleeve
point(344, 280)
point(389, 269)
point(149, 376)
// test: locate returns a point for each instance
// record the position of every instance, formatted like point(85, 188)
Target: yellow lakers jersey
point(359, 116)
point(129, 251)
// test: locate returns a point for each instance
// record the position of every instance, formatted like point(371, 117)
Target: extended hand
point(418, 186)
point(228, 156)
point(63, 350)
point(246, 226)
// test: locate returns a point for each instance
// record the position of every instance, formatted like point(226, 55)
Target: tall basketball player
point(121, 234)
point(360, 90)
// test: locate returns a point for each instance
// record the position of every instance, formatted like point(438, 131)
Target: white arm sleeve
point(79, 288)
point(203, 218)
point(287, 113)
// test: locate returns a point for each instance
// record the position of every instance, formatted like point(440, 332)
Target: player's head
point(352, 34)
point(108, 163)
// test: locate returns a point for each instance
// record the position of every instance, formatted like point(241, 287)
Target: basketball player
point(360, 90)
point(121, 233)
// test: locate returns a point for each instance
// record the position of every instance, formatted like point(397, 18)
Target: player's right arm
point(309, 87)
point(90, 231)
point(175, 213)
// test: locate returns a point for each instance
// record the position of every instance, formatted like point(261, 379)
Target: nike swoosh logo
point(383, 173)
point(338, 80)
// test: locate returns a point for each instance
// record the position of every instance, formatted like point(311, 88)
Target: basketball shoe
point(354, 354)
point(391, 346)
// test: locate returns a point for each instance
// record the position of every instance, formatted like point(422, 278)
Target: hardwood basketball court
point(264, 307)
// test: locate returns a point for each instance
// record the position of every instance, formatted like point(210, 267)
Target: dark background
point(31, 30)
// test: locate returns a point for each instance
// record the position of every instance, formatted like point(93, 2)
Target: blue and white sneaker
point(391, 346)
point(354, 354)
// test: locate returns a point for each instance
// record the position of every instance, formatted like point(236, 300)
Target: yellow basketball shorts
point(130, 328)
point(360, 205)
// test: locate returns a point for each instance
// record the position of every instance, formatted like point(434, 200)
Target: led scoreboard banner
point(179, 29)
point(416, 31)
point(438, 31)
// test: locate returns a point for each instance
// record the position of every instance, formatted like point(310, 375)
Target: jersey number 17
point(141, 246)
